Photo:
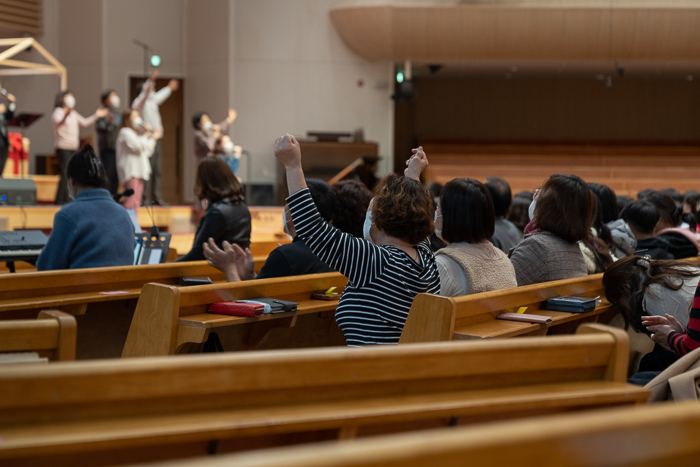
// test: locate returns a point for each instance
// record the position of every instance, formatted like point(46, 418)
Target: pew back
point(52, 334)
point(662, 434)
point(172, 407)
point(167, 317)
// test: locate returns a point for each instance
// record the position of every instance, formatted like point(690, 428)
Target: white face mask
point(137, 122)
point(531, 209)
point(229, 147)
point(367, 226)
point(438, 232)
point(114, 102)
point(69, 101)
point(207, 126)
point(284, 219)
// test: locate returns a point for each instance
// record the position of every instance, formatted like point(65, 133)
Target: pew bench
point(136, 410)
point(169, 317)
point(52, 334)
point(661, 435)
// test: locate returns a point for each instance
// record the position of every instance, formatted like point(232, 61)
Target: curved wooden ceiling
point(517, 32)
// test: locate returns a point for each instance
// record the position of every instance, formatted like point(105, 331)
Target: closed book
point(237, 309)
point(525, 317)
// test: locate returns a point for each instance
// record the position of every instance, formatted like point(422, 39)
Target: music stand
point(23, 121)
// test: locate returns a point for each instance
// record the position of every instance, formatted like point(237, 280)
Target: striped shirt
point(682, 343)
point(382, 280)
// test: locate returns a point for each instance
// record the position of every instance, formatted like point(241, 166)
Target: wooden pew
point(435, 318)
point(103, 299)
point(168, 317)
point(136, 410)
point(52, 334)
point(658, 435)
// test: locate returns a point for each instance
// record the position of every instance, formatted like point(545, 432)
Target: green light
point(155, 60)
point(399, 77)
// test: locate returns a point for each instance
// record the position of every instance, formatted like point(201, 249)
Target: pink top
point(66, 128)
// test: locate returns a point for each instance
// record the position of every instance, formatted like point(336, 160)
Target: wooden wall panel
point(517, 32)
point(21, 17)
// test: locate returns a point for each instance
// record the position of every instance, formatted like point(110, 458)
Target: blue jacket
point(93, 231)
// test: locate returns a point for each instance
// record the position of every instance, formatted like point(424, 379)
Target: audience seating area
point(625, 169)
point(52, 335)
point(660, 435)
point(138, 410)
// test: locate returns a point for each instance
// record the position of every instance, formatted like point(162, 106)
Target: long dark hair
point(669, 211)
point(215, 181)
point(626, 281)
point(565, 208)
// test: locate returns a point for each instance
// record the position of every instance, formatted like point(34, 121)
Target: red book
point(237, 309)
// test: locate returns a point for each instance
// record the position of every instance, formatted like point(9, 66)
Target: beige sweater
point(467, 268)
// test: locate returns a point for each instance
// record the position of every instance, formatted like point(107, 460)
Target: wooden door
point(171, 112)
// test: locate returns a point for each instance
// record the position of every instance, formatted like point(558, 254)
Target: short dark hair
point(644, 193)
point(403, 208)
point(352, 200)
point(622, 201)
point(215, 181)
point(323, 196)
point(105, 95)
point(500, 194)
point(668, 210)
point(86, 169)
point(58, 101)
point(692, 198)
point(197, 118)
point(435, 189)
point(608, 201)
point(467, 211)
point(641, 215)
point(565, 208)
point(674, 194)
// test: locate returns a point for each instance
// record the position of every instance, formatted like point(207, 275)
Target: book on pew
point(571, 304)
point(253, 307)
point(537, 319)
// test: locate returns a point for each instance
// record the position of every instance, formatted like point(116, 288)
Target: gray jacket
point(623, 238)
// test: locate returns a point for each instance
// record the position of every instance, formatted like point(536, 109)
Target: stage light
point(155, 60)
point(399, 77)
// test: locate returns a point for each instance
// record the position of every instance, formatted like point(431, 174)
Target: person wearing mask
point(8, 106)
point(518, 213)
point(470, 263)
point(642, 217)
point(148, 103)
point(505, 235)
point(92, 231)
point(107, 129)
point(225, 150)
point(226, 216)
point(66, 129)
point(292, 259)
point(682, 241)
point(134, 147)
point(386, 271)
point(562, 217)
point(206, 133)
point(621, 236)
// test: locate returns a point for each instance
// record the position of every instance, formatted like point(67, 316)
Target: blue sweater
point(93, 231)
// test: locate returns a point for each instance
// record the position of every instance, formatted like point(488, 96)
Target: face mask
point(69, 101)
point(114, 102)
point(207, 125)
point(137, 122)
point(531, 209)
point(438, 232)
point(367, 226)
point(229, 147)
point(284, 219)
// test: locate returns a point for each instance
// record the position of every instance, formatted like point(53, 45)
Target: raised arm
point(357, 259)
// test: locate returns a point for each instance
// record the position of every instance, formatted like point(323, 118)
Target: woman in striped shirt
point(385, 274)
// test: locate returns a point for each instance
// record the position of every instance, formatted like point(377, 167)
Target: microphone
point(123, 194)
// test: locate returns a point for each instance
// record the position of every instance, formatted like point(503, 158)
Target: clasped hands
point(236, 264)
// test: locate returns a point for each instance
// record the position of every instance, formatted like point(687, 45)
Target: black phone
point(190, 281)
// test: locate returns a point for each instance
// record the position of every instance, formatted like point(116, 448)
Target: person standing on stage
point(206, 133)
point(148, 105)
point(107, 129)
point(7, 111)
point(66, 130)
